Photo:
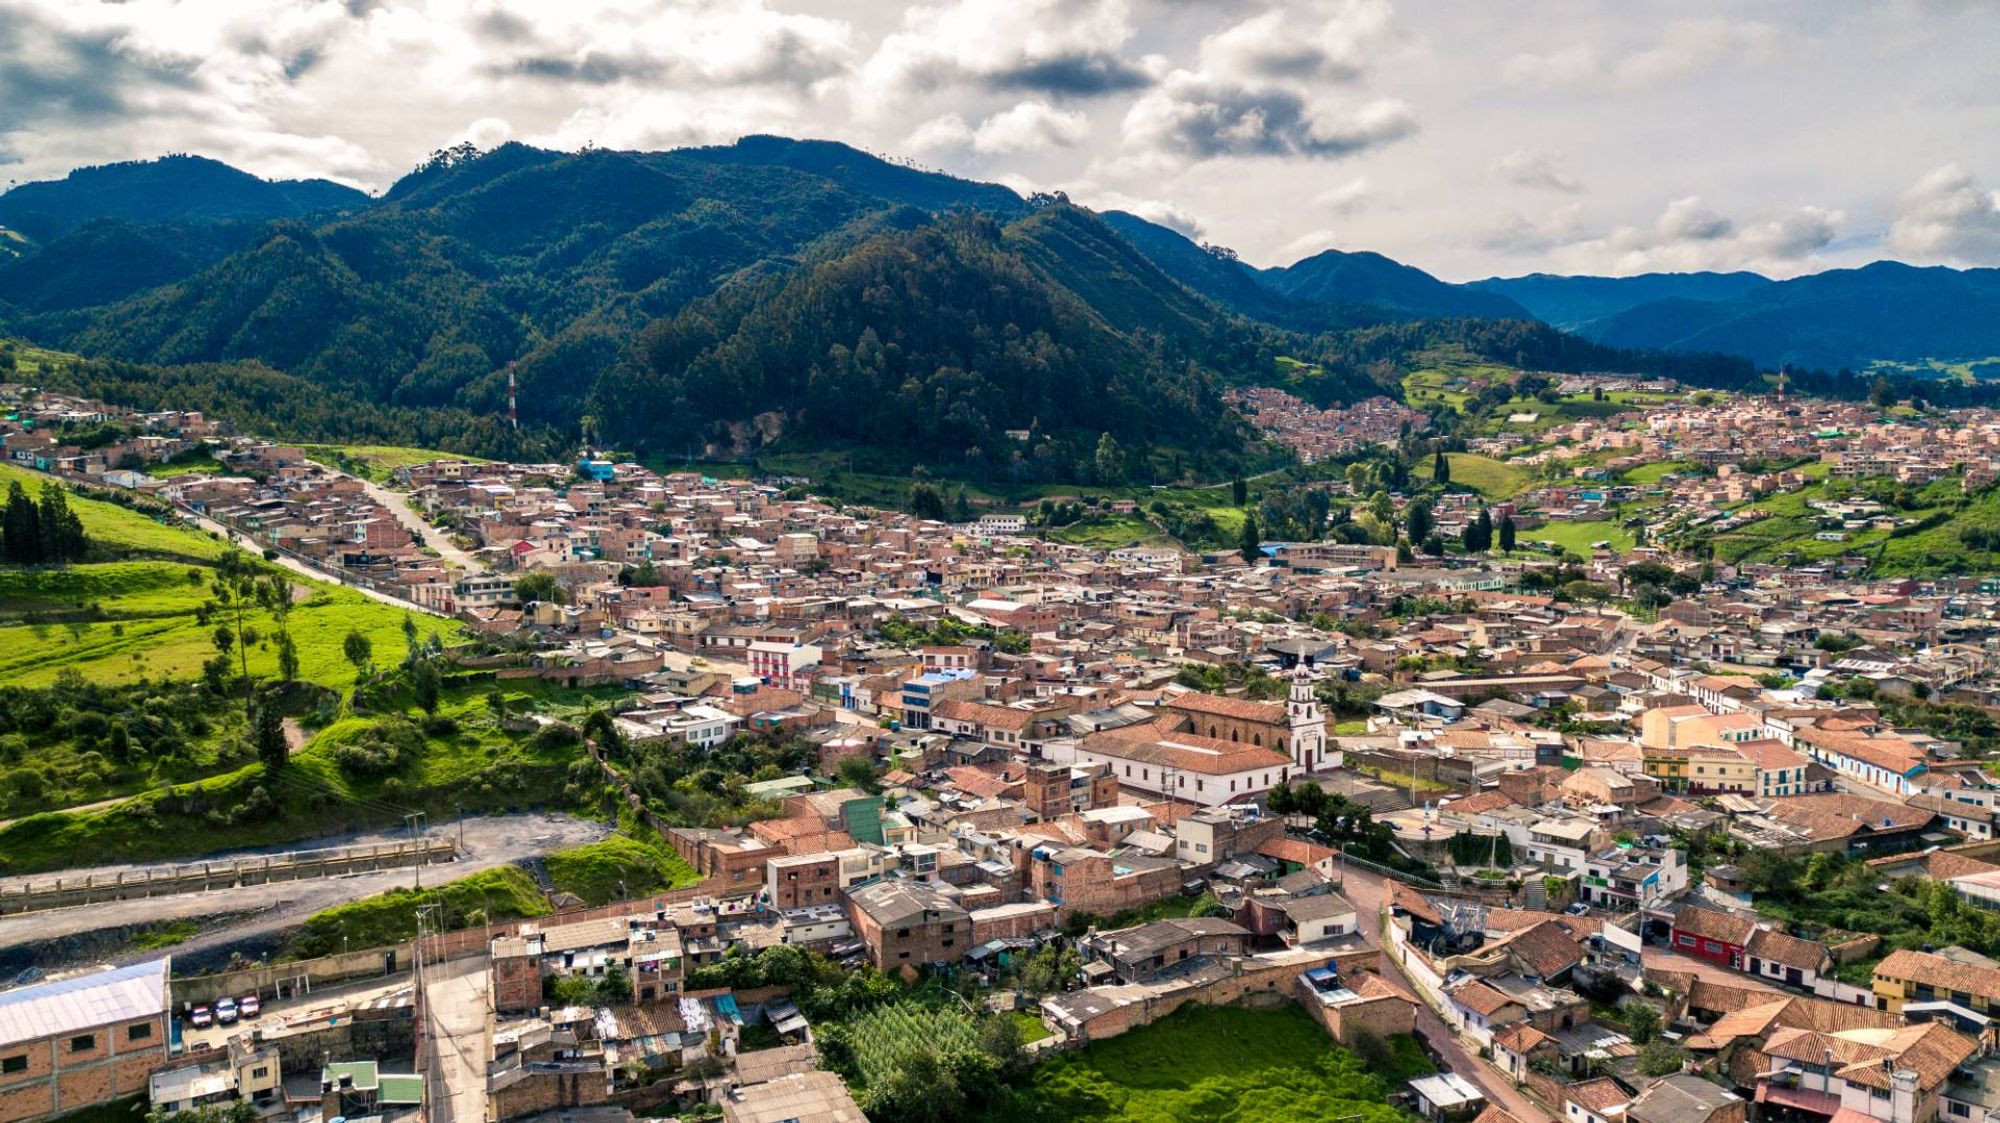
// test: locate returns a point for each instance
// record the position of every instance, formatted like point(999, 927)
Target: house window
point(83, 1043)
point(17, 1063)
point(1687, 941)
point(143, 1031)
point(260, 1072)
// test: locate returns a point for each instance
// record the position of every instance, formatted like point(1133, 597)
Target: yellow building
point(1916, 977)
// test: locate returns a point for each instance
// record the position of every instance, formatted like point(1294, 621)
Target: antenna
point(513, 415)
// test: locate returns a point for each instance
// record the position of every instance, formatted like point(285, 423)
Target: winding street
point(398, 504)
point(1365, 890)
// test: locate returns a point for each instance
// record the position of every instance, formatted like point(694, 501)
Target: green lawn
point(1578, 536)
point(1494, 479)
point(1109, 532)
point(1032, 1027)
point(1213, 1064)
point(1648, 474)
point(119, 531)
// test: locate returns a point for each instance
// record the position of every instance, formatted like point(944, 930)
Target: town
point(1725, 854)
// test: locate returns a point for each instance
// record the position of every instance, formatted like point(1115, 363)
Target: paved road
point(406, 513)
point(1366, 891)
point(301, 568)
point(264, 909)
point(460, 1033)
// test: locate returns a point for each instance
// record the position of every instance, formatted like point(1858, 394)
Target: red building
point(1715, 936)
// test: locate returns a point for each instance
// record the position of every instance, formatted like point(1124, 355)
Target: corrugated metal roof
point(105, 998)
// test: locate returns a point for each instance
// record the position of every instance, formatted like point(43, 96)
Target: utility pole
point(414, 820)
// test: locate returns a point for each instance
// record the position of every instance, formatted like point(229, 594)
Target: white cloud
point(1947, 216)
point(1527, 167)
point(1345, 198)
point(1289, 43)
point(1689, 235)
point(1051, 47)
point(1030, 127)
point(1683, 47)
point(488, 133)
point(1193, 116)
point(941, 133)
point(1511, 232)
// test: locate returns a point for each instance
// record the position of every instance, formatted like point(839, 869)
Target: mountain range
point(778, 289)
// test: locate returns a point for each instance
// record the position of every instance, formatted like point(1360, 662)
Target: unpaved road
point(489, 842)
point(399, 505)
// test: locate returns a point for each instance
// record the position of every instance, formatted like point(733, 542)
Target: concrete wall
point(197, 877)
point(288, 980)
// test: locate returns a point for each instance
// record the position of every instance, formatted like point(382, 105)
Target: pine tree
point(1441, 469)
point(270, 738)
point(1506, 534)
point(1418, 521)
point(1239, 492)
point(22, 527)
point(1251, 543)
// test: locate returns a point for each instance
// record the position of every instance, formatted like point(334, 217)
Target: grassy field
point(118, 621)
point(1032, 1027)
point(1649, 474)
point(1110, 532)
point(506, 893)
point(1578, 536)
point(1787, 532)
point(120, 531)
point(1494, 479)
point(1214, 1063)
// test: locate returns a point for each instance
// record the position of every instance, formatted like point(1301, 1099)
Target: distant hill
point(1570, 302)
point(1840, 318)
point(1337, 277)
point(171, 189)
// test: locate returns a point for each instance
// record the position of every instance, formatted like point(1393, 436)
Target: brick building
point(81, 1041)
point(1078, 880)
point(797, 880)
point(909, 922)
point(1051, 791)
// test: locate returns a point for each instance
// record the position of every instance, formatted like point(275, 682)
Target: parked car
point(249, 1006)
point(201, 1017)
point(225, 1011)
point(1577, 909)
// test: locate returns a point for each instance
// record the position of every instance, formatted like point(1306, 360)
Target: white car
point(225, 1011)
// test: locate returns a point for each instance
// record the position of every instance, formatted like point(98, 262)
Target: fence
point(196, 877)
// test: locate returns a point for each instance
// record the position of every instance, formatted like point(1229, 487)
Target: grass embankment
point(505, 893)
point(116, 531)
point(618, 867)
point(1928, 545)
point(1222, 1063)
point(473, 767)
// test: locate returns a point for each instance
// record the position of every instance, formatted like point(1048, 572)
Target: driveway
point(460, 1039)
point(1365, 889)
point(399, 505)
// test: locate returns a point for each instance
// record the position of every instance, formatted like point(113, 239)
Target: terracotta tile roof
point(1520, 1038)
point(1221, 706)
point(1494, 1115)
point(1925, 968)
point(1839, 815)
point(1184, 751)
point(980, 713)
point(1713, 925)
point(1602, 1095)
point(1295, 850)
point(1791, 951)
point(1482, 803)
point(1545, 949)
point(1480, 998)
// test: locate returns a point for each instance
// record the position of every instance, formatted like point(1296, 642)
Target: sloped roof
point(105, 998)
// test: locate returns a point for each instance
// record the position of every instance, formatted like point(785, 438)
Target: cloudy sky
point(1502, 136)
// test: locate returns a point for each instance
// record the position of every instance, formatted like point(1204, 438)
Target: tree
point(1441, 469)
point(269, 738)
point(496, 704)
point(926, 501)
point(1507, 533)
point(21, 527)
point(358, 651)
point(1250, 544)
point(1662, 1058)
point(58, 529)
point(1433, 544)
point(411, 644)
point(288, 657)
point(857, 772)
point(1642, 1021)
point(1109, 461)
point(538, 586)
point(426, 685)
point(1882, 393)
point(1239, 492)
point(1417, 521)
